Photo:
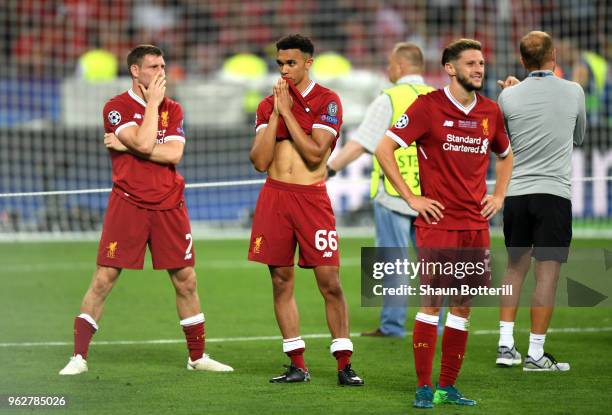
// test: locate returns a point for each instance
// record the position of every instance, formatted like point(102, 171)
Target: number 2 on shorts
point(188, 253)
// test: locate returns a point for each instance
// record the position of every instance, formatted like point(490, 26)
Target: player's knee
point(331, 289)
point(186, 283)
point(282, 279)
point(103, 280)
point(281, 284)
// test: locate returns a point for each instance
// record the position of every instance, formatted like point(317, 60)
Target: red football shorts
point(456, 259)
point(442, 238)
point(289, 214)
point(128, 229)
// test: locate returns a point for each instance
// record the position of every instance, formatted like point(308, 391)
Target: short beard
point(465, 83)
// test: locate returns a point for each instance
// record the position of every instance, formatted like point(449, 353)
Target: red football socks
point(83, 332)
point(453, 348)
point(294, 348)
point(342, 349)
point(194, 334)
point(424, 336)
point(343, 357)
point(297, 358)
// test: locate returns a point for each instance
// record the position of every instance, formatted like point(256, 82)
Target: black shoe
point(374, 333)
point(348, 377)
point(292, 375)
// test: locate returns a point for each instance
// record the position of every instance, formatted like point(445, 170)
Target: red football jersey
point(319, 107)
point(454, 143)
point(142, 182)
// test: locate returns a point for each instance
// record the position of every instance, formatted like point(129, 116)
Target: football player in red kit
point(145, 138)
point(296, 130)
point(455, 129)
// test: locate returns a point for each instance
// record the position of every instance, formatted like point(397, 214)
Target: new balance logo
point(327, 254)
point(138, 116)
point(448, 123)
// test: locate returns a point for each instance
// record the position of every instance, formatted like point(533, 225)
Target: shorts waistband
point(298, 188)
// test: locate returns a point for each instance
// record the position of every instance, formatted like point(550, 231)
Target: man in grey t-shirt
point(545, 116)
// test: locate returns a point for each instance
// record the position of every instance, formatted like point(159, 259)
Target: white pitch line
point(553, 330)
point(202, 266)
point(167, 341)
point(268, 338)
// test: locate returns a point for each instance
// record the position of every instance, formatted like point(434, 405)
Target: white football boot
point(206, 363)
point(75, 366)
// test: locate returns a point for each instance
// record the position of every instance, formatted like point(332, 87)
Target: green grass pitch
point(42, 285)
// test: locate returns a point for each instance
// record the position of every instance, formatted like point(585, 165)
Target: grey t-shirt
point(544, 115)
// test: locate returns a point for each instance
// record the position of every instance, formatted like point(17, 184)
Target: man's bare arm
point(170, 152)
point(313, 149)
point(503, 172)
point(425, 206)
point(262, 151)
point(349, 152)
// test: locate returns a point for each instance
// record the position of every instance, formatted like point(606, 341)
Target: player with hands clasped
point(296, 130)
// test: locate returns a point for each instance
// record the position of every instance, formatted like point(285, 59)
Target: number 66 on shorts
point(290, 215)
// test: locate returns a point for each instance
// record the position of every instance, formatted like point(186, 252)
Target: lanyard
point(540, 74)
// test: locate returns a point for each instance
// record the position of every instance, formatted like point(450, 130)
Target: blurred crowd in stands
point(44, 39)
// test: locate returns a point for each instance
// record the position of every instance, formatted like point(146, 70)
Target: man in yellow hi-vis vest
point(392, 215)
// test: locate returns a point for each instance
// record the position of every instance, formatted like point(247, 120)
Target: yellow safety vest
point(402, 96)
point(599, 68)
point(247, 67)
point(99, 65)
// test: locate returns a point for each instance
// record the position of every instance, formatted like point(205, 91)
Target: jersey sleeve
point(174, 131)
point(262, 116)
point(501, 142)
point(413, 124)
point(329, 115)
point(117, 116)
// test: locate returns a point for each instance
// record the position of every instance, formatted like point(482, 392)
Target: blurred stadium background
point(62, 59)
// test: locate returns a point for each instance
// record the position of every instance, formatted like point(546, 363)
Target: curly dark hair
point(296, 41)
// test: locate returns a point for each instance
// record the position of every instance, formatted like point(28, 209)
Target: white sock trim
point(456, 322)
point(88, 319)
point(427, 319)
point(190, 321)
point(341, 344)
point(293, 344)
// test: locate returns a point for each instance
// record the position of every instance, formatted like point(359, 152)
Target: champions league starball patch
point(114, 117)
point(402, 122)
point(332, 109)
